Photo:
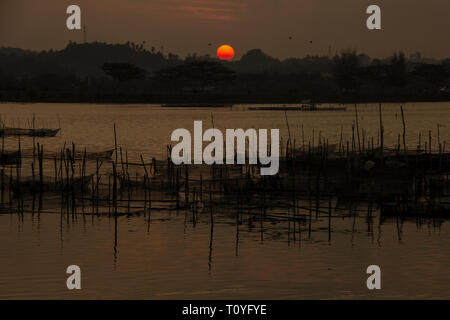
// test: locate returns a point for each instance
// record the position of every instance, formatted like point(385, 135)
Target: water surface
point(173, 258)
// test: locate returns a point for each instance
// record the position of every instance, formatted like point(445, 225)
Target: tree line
point(96, 72)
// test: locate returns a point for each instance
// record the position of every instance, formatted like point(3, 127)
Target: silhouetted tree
point(198, 75)
point(347, 70)
point(123, 71)
point(256, 61)
point(396, 70)
point(434, 74)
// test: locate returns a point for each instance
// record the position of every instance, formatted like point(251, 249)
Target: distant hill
point(16, 51)
point(81, 59)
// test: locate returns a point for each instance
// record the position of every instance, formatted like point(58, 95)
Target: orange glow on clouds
point(225, 52)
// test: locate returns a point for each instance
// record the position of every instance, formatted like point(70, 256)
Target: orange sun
point(225, 52)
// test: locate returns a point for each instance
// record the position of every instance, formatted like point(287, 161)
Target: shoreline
point(221, 101)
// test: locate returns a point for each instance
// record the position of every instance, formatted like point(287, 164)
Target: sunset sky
point(187, 26)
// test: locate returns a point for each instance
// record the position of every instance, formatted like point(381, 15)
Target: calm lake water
point(171, 258)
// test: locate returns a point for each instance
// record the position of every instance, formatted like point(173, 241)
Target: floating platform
point(297, 108)
point(197, 105)
point(5, 131)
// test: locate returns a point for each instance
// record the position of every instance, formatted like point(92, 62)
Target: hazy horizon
point(199, 26)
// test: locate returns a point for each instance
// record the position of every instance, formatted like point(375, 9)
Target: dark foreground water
point(171, 258)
